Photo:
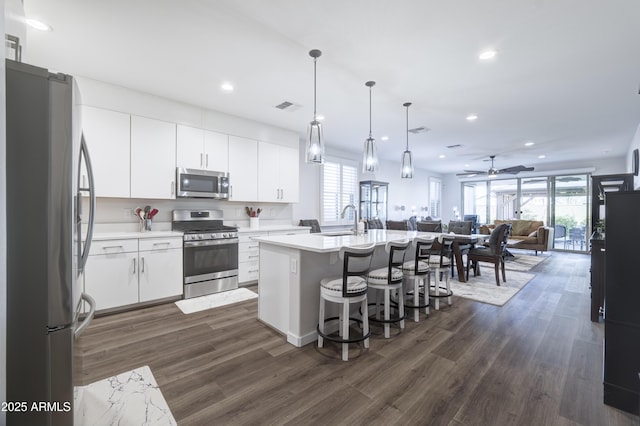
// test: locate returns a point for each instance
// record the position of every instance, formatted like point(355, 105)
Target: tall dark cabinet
point(622, 302)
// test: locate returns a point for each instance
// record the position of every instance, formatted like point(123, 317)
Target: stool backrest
point(423, 251)
point(356, 263)
point(397, 251)
point(446, 242)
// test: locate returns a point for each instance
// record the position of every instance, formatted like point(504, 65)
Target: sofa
point(533, 235)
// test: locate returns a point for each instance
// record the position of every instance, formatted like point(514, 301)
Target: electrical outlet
point(294, 266)
point(127, 213)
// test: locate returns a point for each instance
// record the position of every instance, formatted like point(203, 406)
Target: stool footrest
point(331, 337)
point(408, 303)
point(391, 320)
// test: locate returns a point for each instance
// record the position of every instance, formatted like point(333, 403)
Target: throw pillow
point(534, 234)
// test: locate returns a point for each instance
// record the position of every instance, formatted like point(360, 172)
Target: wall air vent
point(288, 106)
point(421, 129)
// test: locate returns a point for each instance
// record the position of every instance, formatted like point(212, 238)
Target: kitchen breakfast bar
point(291, 267)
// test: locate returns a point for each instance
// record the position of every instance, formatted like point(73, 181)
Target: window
point(435, 196)
point(339, 188)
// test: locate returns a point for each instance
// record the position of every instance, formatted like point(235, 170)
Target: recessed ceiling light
point(472, 117)
point(319, 117)
point(529, 143)
point(441, 156)
point(542, 156)
point(487, 54)
point(384, 138)
point(466, 165)
point(227, 87)
point(38, 25)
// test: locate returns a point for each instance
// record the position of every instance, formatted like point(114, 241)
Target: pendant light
point(315, 139)
point(407, 161)
point(370, 155)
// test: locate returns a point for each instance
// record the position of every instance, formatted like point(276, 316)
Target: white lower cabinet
point(125, 272)
point(111, 273)
point(249, 253)
point(160, 271)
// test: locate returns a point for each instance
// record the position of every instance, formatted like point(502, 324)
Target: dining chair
point(493, 253)
point(440, 261)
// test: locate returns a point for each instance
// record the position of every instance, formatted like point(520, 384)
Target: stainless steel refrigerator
point(46, 248)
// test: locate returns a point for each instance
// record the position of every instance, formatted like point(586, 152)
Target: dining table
point(460, 242)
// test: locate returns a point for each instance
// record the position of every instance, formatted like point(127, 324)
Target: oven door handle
point(226, 241)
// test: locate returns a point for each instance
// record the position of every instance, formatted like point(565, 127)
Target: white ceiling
point(566, 75)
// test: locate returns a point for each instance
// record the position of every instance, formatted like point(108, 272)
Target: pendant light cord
point(370, 112)
point(315, 60)
point(407, 149)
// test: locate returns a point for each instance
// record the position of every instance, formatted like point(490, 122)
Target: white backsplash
point(117, 214)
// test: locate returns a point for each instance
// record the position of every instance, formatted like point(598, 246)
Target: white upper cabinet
point(278, 173)
point(202, 149)
point(107, 134)
point(190, 144)
point(153, 158)
point(243, 169)
point(216, 151)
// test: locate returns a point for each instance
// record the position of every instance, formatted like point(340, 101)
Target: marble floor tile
point(131, 398)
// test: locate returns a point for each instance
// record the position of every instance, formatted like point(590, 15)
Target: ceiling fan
point(494, 172)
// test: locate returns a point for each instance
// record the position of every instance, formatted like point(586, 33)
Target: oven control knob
point(199, 236)
point(225, 235)
point(213, 236)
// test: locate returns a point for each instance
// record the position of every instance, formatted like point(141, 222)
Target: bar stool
point(439, 264)
point(415, 271)
point(389, 279)
point(348, 289)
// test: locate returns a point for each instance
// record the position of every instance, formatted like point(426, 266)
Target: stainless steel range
point(210, 252)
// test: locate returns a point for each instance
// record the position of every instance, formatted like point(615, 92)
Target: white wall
point(402, 192)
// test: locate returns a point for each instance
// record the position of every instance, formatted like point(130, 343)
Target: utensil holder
point(145, 225)
point(254, 222)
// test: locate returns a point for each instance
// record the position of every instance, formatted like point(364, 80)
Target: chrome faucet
point(355, 215)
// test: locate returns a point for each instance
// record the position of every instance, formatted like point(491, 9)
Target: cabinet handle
point(253, 270)
point(111, 247)
point(250, 257)
point(134, 266)
point(167, 243)
point(603, 250)
point(201, 160)
point(173, 187)
point(206, 156)
point(142, 266)
point(230, 191)
point(281, 194)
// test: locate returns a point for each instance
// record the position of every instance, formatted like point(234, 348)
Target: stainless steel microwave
point(194, 183)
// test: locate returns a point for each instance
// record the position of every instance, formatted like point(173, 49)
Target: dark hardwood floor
point(535, 361)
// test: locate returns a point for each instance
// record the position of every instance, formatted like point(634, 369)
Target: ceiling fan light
point(407, 165)
point(315, 143)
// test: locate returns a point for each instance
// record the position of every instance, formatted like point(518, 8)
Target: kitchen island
point(291, 267)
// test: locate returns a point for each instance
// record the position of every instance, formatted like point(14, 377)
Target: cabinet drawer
point(113, 246)
point(248, 246)
point(249, 255)
point(245, 238)
point(147, 244)
point(248, 271)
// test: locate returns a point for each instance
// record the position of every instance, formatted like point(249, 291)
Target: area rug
point(483, 288)
point(131, 398)
point(197, 304)
point(524, 262)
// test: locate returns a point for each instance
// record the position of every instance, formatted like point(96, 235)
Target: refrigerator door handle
point(92, 311)
point(84, 152)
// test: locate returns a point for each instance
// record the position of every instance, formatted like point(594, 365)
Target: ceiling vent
point(288, 106)
point(421, 129)
point(454, 146)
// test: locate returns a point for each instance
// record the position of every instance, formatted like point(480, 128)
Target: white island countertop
point(323, 243)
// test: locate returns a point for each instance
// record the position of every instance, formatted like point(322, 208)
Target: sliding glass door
point(560, 202)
